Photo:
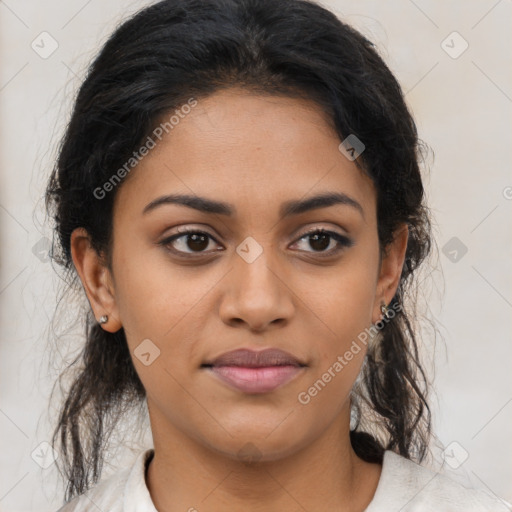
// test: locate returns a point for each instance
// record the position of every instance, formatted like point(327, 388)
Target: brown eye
point(320, 240)
point(188, 242)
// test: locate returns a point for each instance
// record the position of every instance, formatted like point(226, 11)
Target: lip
point(255, 359)
point(255, 372)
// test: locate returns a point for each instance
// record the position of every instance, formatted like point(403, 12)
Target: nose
point(257, 295)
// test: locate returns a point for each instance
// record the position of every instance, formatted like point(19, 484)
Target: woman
point(238, 192)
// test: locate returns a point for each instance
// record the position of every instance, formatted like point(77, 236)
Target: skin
point(254, 152)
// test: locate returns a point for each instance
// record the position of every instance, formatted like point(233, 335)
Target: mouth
point(255, 372)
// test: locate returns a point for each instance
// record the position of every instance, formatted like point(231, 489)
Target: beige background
point(463, 110)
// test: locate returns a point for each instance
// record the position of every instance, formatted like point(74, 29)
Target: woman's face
point(251, 278)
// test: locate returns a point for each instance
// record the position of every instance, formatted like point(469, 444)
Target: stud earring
point(103, 319)
point(384, 310)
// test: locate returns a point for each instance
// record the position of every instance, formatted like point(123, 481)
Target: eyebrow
point(288, 208)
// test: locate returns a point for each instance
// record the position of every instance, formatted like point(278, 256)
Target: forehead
point(249, 150)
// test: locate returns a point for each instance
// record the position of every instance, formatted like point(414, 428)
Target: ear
point(390, 270)
point(96, 279)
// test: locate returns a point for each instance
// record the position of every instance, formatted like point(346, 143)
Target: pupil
point(322, 238)
point(197, 242)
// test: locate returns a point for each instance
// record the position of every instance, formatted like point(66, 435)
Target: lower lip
point(255, 380)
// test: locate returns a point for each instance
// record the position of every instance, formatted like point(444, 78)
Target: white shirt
point(404, 486)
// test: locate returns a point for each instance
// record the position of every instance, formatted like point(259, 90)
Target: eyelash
point(343, 242)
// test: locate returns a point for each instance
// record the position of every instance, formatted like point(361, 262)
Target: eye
point(188, 241)
point(322, 239)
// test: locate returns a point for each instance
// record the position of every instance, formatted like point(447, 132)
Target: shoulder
point(107, 495)
point(409, 487)
point(127, 485)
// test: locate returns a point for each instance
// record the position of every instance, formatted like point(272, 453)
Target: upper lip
point(255, 359)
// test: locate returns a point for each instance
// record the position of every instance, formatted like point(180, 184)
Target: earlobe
point(96, 280)
point(391, 270)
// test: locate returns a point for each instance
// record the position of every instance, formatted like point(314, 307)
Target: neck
point(325, 474)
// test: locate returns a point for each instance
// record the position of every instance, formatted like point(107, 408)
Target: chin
point(253, 445)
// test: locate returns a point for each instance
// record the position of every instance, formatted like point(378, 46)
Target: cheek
point(167, 305)
point(152, 295)
point(344, 303)
point(343, 298)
